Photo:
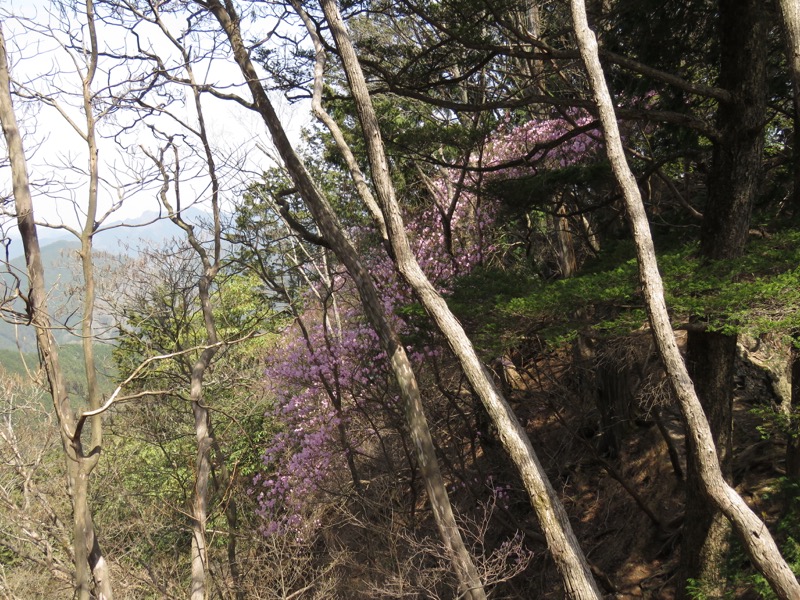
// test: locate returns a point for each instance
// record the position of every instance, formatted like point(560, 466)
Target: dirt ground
point(627, 509)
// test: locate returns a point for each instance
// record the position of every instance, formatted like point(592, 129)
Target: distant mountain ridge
point(117, 242)
point(118, 237)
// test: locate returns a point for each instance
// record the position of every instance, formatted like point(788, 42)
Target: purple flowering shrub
point(543, 144)
point(333, 393)
point(315, 375)
point(459, 229)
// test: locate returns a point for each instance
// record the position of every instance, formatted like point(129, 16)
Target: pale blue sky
point(58, 156)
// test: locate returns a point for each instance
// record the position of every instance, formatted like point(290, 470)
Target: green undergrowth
point(758, 293)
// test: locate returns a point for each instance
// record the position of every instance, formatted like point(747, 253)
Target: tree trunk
point(78, 464)
point(202, 417)
point(754, 535)
point(793, 437)
point(614, 402)
point(706, 532)
point(200, 495)
point(790, 15)
point(733, 185)
point(563, 242)
point(97, 564)
point(210, 259)
point(469, 581)
point(736, 162)
point(562, 543)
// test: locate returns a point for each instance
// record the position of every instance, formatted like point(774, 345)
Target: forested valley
point(424, 299)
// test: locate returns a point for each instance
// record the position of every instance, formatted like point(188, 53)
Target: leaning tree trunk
point(754, 535)
point(469, 581)
point(562, 543)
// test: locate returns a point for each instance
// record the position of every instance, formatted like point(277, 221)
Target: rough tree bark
point(790, 15)
point(469, 581)
point(793, 438)
point(733, 183)
point(562, 543)
point(563, 242)
point(736, 160)
point(710, 359)
point(754, 535)
point(89, 560)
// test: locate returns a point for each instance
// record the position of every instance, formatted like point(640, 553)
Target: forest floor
point(633, 554)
